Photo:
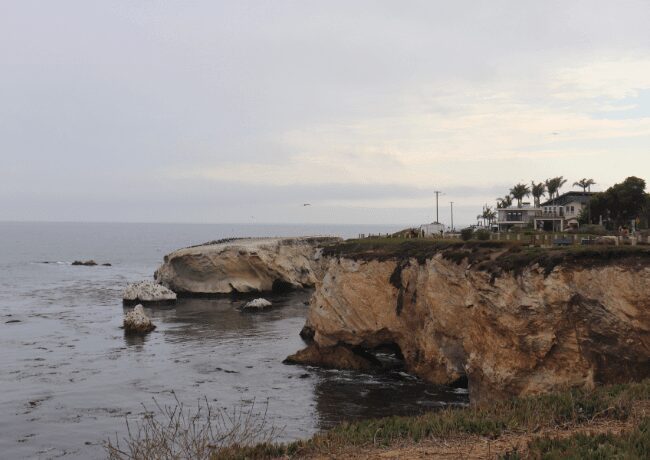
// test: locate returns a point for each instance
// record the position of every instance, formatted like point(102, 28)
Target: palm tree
point(584, 184)
point(504, 202)
point(518, 192)
point(490, 214)
point(537, 190)
point(554, 185)
point(551, 187)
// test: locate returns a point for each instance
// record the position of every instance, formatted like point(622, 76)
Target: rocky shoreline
point(501, 318)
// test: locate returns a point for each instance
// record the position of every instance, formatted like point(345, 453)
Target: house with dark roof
point(561, 213)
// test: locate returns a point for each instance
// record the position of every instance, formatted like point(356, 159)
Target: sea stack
point(137, 322)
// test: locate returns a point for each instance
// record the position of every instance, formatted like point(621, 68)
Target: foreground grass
point(521, 415)
point(632, 445)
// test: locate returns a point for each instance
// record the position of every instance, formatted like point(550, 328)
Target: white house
point(562, 212)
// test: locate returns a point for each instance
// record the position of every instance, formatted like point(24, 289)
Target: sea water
point(69, 377)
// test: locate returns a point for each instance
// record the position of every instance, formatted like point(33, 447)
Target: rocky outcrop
point(257, 304)
point(337, 357)
point(246, 265)
point(149, 292)
point(533, 329)
point(86, 263)
point(137, 322)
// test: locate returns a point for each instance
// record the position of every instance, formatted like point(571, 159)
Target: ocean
point(69, 378)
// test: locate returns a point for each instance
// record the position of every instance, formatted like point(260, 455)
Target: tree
point(488, 214)
point(551, 187)
point(554, 185)
point(538, 191)
point(519, 192)
point(584, 184)
point(504, 202)
point(621, 203)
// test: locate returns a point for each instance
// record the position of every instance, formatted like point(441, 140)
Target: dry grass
point(201, 432)
point(518, 417)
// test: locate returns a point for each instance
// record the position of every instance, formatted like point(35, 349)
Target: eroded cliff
point(510, 321)
point(243, 265)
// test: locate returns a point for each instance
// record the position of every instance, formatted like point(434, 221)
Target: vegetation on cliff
point(494, 257)
point(567, 412)
point(610, 421)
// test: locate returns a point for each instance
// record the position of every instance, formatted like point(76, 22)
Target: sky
point(243, 111)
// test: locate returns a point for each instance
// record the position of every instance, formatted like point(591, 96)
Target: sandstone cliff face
point(246, 265)
point(515, 334)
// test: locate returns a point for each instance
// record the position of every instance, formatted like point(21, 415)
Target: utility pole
point(452, 215)
point(437, 193)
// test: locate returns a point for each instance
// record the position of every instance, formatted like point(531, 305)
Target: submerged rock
point(335, 357)
point(257, 304)
point(147, 291)
point(246, 265)
point(87, 263)
point(137, 322)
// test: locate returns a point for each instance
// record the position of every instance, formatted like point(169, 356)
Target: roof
point(570, 197)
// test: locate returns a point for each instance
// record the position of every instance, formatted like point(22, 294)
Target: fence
point(568, 239)
point(540, 239)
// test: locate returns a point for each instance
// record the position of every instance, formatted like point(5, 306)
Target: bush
point(202, 432)
point(591, 229)
point(482, 234)
point(466, 234)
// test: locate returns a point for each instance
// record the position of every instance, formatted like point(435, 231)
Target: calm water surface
point(69, 377)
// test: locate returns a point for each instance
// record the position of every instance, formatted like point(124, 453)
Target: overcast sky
point(242, 111)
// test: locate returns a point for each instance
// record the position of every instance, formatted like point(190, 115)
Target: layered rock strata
point(522, 331)
point(245, 265)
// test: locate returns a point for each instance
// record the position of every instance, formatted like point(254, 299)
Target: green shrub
point(482, 234)
point(466, 234)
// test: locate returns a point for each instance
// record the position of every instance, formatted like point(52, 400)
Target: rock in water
point(245, 265)
point(87, 263)
point(137, 322)
point(257, 304)
point(147, 291)
point(336, 357)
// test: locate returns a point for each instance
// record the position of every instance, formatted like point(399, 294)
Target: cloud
point(489, 128)
point(223, 110)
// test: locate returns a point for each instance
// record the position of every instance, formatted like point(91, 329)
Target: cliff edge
point(509, 320)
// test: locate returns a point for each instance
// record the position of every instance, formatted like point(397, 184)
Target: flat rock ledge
point(148, 292)
point(244, 266)
point(334, 357)
point(136, 322)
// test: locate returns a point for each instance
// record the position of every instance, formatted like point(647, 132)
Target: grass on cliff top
point(491, 256)
point(632, 445)
point(520, 415)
